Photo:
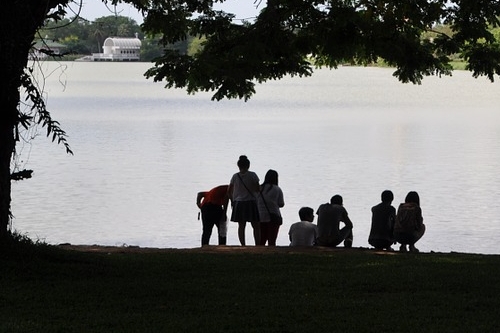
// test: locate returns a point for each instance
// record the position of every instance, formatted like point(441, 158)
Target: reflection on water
point(143, 152)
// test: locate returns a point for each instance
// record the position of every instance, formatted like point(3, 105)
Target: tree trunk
point(7, 145)
point(19, 22)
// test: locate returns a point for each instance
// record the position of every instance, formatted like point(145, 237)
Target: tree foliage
point(292, 37)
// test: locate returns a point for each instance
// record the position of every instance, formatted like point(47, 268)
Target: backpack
point(407, 217)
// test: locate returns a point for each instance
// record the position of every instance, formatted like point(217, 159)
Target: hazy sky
point(93, 9)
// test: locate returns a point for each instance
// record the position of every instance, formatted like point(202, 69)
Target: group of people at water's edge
point(260, 205)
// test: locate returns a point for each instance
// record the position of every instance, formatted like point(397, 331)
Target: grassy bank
point(56, 290)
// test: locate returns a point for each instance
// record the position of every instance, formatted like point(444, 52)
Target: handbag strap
point(264, 200)
point(245, 185)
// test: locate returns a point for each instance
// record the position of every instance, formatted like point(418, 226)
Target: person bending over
point(213, 206)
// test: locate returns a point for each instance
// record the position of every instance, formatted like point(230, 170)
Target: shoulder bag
point(275, 218)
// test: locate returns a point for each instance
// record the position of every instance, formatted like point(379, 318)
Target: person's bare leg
point(256, 232)
point(273, 235)
point(417, 235)
point(241, 233)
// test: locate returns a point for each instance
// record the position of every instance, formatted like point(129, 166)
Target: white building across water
point(119, 49)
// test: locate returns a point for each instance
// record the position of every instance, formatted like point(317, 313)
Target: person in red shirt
point(213, 206)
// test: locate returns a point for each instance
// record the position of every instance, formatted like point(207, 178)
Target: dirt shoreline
point(217, 249)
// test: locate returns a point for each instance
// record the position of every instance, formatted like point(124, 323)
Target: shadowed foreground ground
point(70, 288)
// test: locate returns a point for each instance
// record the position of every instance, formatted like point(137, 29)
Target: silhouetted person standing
point(269, 202)
point(243, 190)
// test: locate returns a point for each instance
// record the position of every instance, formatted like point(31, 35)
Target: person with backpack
point(382, 228)
point(409, 226)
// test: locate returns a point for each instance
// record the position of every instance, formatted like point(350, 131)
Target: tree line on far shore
point(82, 37)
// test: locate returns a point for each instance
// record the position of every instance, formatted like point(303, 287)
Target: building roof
point(46, 43)
point(121, 42)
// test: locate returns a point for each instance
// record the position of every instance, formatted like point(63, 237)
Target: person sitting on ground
point(409, 226)
point(304, 233)
point(329, 217)
point(383, 215)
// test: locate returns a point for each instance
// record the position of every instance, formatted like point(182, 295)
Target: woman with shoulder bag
point(269, 202)
point(243, 190)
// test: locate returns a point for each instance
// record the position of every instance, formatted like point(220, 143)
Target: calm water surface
point(143, 152)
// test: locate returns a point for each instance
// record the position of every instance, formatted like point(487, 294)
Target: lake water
point(143, 152)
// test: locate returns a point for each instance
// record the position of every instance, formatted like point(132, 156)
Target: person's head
point(412, 197)
point(336, 200)
point(271, 177)
point(306, 214)
point(387, 196)
point(243, 163)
